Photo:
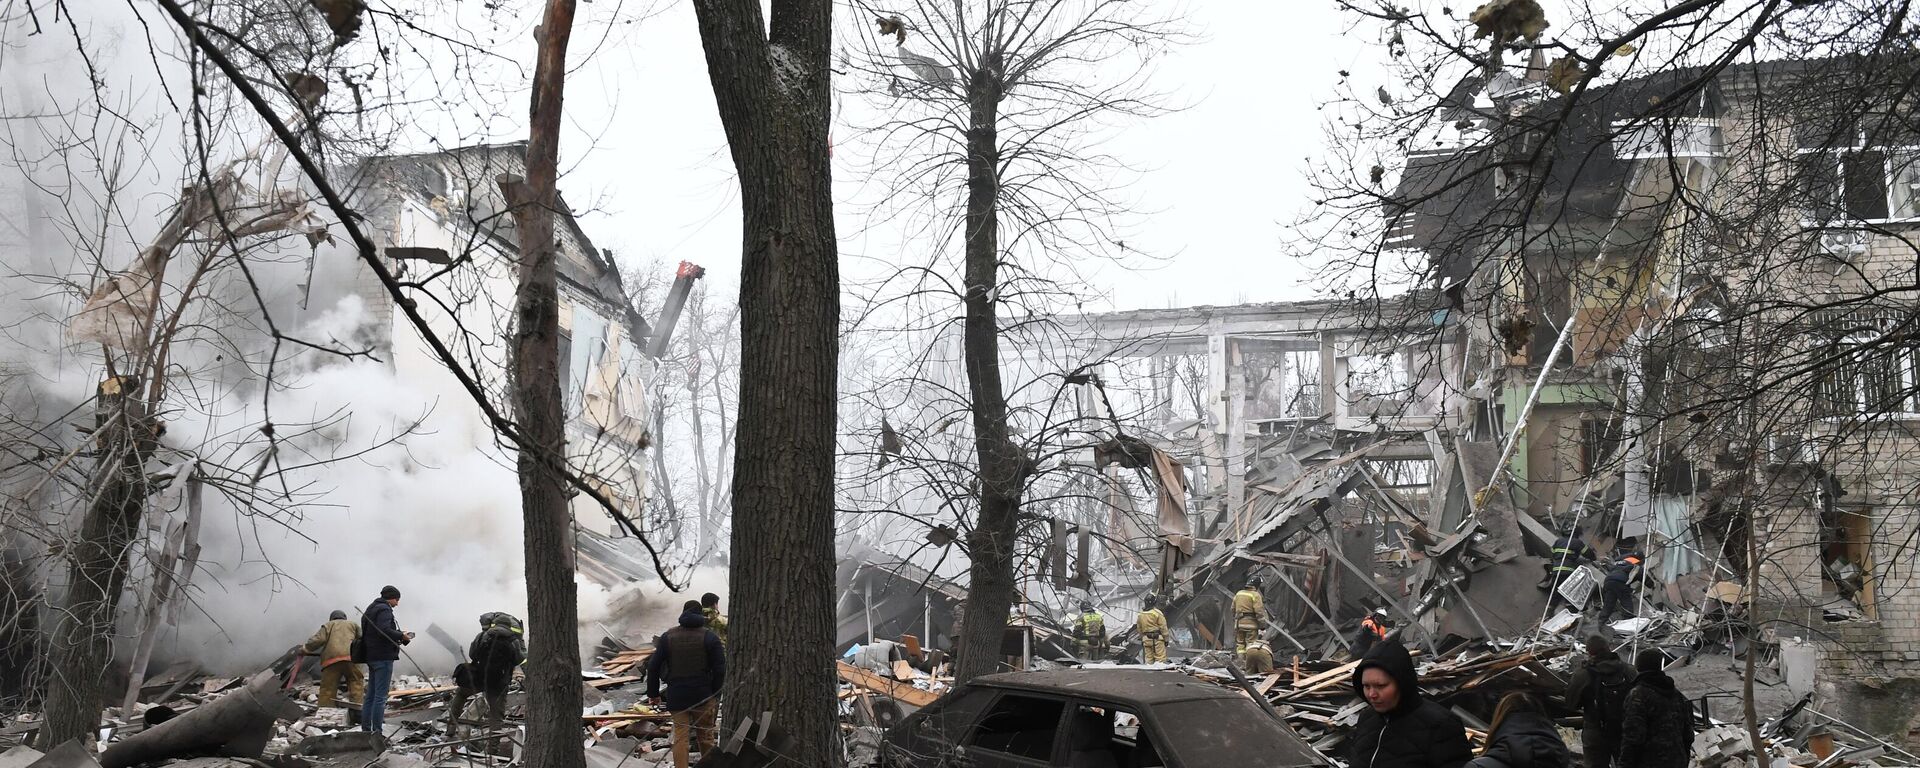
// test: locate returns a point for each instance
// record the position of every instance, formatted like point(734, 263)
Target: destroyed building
point(1673, 311)
point(1697, 277)
point(441, 220)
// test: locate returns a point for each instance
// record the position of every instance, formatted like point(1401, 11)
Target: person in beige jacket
point(334, 645)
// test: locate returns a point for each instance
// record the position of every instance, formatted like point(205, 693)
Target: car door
point(933, 736)
point(1019, 730)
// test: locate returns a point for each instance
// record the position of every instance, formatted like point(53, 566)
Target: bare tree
point(553, 658)
point(771, 80)
point(1003, 105)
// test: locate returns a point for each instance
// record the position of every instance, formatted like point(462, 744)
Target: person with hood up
point(692, 663)
point(1599, 689)
point(334, 645)
point(1522, 736)
point(1401, 728)
point(1656, 726)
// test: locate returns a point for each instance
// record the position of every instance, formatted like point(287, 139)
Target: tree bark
point(772, 89)
point(1002, 467)
point(82, 640)
point(553, 652)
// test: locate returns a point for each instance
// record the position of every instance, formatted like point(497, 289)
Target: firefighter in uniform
point(1259, 658)
point(1152, 625)
point(1090, 633)
point(1569, 552)
point(1249, 616)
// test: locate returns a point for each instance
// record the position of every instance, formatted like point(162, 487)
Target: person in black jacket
point(692, 663)
point(1656, 728)
point(1401, 728)
point(380, 639)
point(1522, 736)
point(1598, 688)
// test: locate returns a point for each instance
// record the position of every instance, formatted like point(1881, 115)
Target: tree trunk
point(82, 640)
point(553, 652)
point(770, 81)
point(1002, 468)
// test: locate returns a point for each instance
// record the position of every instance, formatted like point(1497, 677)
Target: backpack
point(1609, 698)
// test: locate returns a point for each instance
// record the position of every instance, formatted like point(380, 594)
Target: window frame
point(1867, 379)
point(1891, 156)
point(1054, 745)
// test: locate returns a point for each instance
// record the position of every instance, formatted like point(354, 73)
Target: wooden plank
point(613, 681)
point(892, 689)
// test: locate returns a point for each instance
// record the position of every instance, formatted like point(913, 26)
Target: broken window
point(1019, 726)
point(1872, 375)
point(1599, 439)
point(1868, 172)
point(589, 343)
point(1846, 556)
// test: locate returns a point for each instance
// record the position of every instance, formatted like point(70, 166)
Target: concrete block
point(1798, 661)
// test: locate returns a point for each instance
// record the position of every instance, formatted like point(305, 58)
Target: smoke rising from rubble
point(434, 514)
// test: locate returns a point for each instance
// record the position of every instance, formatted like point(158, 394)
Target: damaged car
point(1094, 718)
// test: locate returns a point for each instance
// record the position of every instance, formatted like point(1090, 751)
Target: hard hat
point(1379, 613)
point(1086, 605)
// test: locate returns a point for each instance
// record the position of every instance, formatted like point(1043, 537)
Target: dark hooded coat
point(1417, 733)
point(1656, 727)
point(1528, 740)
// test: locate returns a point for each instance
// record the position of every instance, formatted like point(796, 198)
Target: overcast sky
point(1223, 177)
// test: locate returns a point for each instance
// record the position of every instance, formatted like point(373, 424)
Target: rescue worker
point(1373, 629)
point(380, 640)
point(1599, 689)
point(1090, 633)
point(491, 659)
point(716, 621)
point(1569, 552)
point(692, 663)
point(1152, 625)
point(1249, 616)
point(1259, 658)
point(1617, 592)
point(334, 645)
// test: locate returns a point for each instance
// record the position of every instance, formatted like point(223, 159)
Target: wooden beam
point(890, 688)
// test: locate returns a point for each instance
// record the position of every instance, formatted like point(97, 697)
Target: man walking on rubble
point(716, 621)
point(692, 663)
point(1599, 689)
point(380, 639)
point(1401, 728)
point(1656, 724)
point(1249, 616)
point(492, 657)
point(1152, 625)
point(1617, 593)
point(1090, 633)
point(1373, 629)
point(334, 645)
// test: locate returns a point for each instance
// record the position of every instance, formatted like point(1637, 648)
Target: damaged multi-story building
point(1693, 300)
point(1678, 311)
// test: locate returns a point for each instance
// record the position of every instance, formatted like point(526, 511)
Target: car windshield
point(1229, 731)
